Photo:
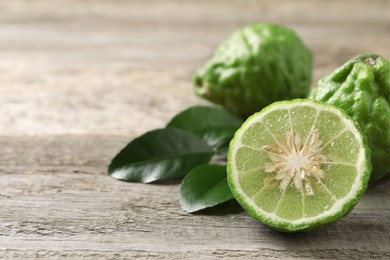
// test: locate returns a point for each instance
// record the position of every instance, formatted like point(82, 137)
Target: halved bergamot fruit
point(297, 165)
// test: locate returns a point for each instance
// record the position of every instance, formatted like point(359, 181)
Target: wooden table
point(79, 79)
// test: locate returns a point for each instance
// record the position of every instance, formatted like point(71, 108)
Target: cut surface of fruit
point(298, 164)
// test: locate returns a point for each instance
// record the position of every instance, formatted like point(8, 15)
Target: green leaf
point(204, 187)
point(159, 154)
point(210, 124)
point(222, 148)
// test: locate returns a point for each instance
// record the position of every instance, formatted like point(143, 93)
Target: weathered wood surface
point(56, 200)
point(79, 79)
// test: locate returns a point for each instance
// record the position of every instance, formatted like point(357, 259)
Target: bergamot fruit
point(361, 87)
point(297, 165)
point(257, 65)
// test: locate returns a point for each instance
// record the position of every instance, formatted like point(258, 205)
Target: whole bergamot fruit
point(257, 65)
point(362, 88)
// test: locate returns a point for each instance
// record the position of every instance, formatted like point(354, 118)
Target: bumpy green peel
point(361, 87)
point(256, 66)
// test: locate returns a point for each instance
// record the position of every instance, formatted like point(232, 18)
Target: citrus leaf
point(210, 124)
point(204, 187)
point(159, 154)
point(222, 147)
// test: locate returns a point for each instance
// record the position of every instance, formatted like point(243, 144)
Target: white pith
point(339, 203)
point(296, 161)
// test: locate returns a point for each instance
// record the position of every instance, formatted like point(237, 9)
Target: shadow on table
point(381, 186)
point(228, 207)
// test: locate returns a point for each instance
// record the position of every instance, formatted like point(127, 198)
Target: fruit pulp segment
point(322, 200)
point(291, 204)
point(249, 178)
point(256, 136)
point(278, 123)
point(342, 148)
point(267, 197)
point(341, 177)
point(329, 125)
point(302, 120)
point(250, 159)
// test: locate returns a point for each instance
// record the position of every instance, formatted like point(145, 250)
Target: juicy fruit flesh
point(297, 165)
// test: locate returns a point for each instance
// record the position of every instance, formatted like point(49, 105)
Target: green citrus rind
point(257, 65)
point(310, 223)
point(361, 87)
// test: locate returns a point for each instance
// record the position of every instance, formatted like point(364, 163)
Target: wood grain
point(79, 79)
point(124, 67)
point(58, 201)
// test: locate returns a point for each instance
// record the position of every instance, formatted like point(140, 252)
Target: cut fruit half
point(297, 165)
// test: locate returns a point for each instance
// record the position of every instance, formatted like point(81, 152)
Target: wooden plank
point(124, 67)
point(56, 200)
